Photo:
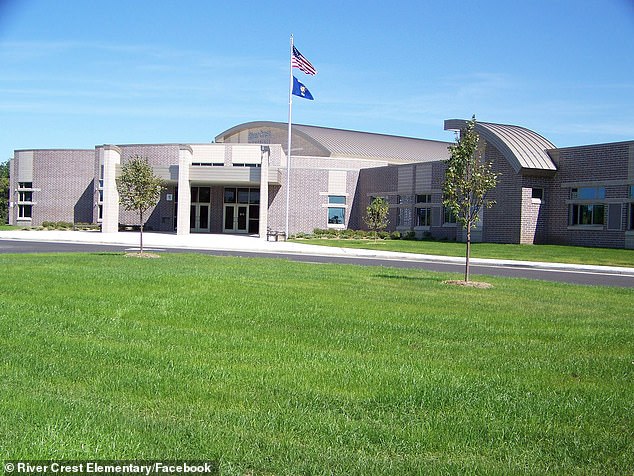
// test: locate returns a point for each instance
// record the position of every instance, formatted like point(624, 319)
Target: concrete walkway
point(246, 243)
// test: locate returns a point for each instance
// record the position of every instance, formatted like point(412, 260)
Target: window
point(245, 196)
point(25, 211)
point(587, 213)
point(336, 215)
point(200, 194)
point(230, 195)
point(448, 216)
point(537, 194)
point(338, 199)
point(423, 198)
point(587, 193)
point(423, 217)
point(25, 196)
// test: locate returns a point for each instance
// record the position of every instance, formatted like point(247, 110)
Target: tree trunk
point(468, 254)
point(141, 235)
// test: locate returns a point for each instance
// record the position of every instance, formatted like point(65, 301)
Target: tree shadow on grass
point(434, 279)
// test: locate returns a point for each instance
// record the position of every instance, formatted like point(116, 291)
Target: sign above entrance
point(260, 137)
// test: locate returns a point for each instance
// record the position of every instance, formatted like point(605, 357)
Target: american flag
point(298, 61)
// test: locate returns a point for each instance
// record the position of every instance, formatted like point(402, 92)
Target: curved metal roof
point(523, 148)
point(330, 142)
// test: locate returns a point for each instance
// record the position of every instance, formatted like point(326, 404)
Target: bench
point(275, 234)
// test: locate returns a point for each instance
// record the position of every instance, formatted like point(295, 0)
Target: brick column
point(264, 192)
point(110, 155)
point(185, 155)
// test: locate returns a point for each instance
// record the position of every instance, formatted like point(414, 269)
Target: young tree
point(139, 189)
point(376, 214)
point(468, 179)
point(4, 192)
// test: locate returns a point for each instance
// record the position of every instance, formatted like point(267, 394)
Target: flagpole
point(288, 153)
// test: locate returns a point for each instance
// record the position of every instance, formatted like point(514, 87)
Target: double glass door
point(200, 209)
point(236, 218)
point(241, 210)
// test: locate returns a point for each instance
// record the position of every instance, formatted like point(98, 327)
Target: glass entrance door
point(200, 210)
point(241, 210)
point(199, 218)
point(235, 218)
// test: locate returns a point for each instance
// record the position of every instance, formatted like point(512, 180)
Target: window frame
point(427, 212)
point(578, 211)
point(587, 207)
point(449, 218)
point(338, 204)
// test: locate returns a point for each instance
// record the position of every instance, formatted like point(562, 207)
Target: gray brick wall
point(592, 165)
point(160, 217)
point(502, 222)
point(377, 182)
point(65, 178)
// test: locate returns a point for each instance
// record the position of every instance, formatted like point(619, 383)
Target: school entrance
point(200, 212)
point(241, 210)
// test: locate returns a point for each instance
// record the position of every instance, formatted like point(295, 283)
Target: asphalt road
point(567, 276)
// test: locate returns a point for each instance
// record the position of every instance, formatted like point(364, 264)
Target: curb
point(255, 245)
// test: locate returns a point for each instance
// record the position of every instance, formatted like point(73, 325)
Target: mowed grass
point(546, 253)
point(275, 367)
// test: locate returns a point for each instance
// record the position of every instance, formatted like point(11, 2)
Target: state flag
point(300, 90)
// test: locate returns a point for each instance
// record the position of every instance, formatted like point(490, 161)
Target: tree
point(4, 192)
point(139, 189)
point(376, 214)
point(468, 179)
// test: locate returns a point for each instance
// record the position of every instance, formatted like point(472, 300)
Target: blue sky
point(78, 73)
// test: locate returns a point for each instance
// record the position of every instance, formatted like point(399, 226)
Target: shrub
point(395, 235)
point(57, 225)
point(360, 234)
point(410, 235)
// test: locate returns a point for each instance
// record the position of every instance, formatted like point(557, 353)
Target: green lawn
point(276, 367)
point(547, 253)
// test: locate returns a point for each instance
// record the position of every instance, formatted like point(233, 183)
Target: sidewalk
point(245, 243)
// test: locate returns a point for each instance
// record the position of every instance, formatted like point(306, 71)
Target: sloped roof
point(524, 149)
point(354, 144)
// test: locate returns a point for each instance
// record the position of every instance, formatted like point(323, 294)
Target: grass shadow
point(408, 278)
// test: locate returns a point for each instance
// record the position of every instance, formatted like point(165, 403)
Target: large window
point(25, 199)
point(423, 213)
point(587, 213)
point(448, 216)
point(336, 212)
point(423, 217)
